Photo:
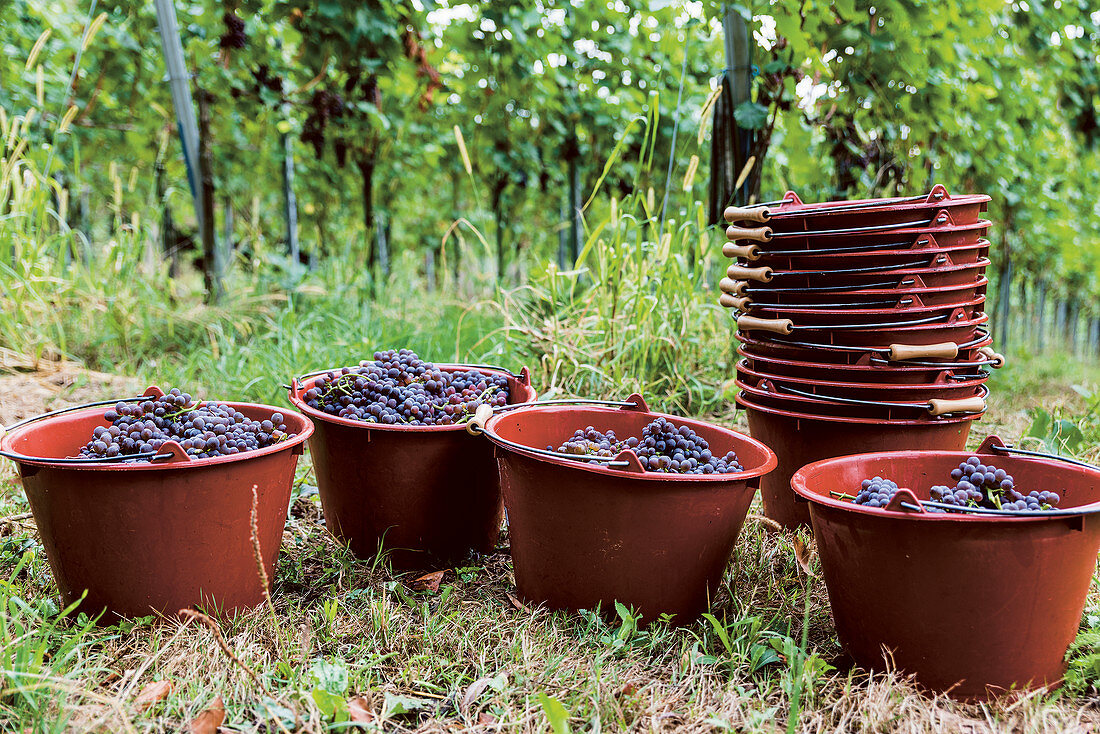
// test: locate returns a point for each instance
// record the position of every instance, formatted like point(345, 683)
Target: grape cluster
point(203, 429)
point(590, 442)
point(984, 485)
point(876, 492)
point(662, 447)
point(398, 387)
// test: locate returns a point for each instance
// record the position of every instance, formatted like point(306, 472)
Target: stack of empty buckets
point(862, 327)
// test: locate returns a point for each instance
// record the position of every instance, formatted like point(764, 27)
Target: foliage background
point(858, 100)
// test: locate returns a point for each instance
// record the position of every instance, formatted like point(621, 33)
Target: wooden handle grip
point(902, 352)
point(733, 287)
point(939, 406)
point(749, 252)
point(752, 323)
point(476, 424)
point(997, 358)
point(729, 301)
point(756, 234)
point(747, 214)
point(740, 272)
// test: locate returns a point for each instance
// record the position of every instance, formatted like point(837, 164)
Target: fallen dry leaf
point(210, 719)
point(629, 689)
point(518, 604)
point(473, 692)
point(359, 711)
point(152, 693)
point(485, 719)
point(429, 581)
point(802, 555)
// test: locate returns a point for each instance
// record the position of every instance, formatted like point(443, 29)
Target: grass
point(350, 643)
point(348, 635)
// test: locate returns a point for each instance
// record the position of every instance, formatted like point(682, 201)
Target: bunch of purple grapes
point(662, 447)
point(590, 442)
point(398, 387)
point(876, 492)
point(984, 485)
point(203, 429)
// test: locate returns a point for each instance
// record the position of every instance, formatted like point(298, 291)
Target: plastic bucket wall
point(426, 494)
point(763, 346)
point(898, 312)
point(145, 538)
point(896, 373)
point(904, 287)
point(932, 275)
point(584, 535)
point(799, 439)
point(985, 603)
point(959, 329)
point(960, 255)
point(914, 237)
point(963, 210)
point(934, 387)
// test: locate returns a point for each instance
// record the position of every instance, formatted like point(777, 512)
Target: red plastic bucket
point(790, 214)
point(866, 371)
point(895, 289)
point(838, 259)
point(939, 385)
point(155, 537)
point(799, 438)
point(584, 535)
point(970, 604)
point(805, 351)
point(904, 308)
point(934, 271)
point(957, 327)
point(916, 238)
point(426, 494)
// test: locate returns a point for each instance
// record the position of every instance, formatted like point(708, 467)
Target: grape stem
point(183, 411)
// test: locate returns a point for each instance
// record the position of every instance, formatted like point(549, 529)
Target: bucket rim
point(295, 442)
point(750, 406)
point(981, 244)
point(294, 395)
point(646, 476)
point(844, 385)
point(980, 264)
point(791, 209)
point(890, 368)
point(978, 300)
point(799, 484)
point(981, 282)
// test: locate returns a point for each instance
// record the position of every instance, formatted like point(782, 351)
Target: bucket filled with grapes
point(396, 469)
point(969, 571)
point(614, 502)
point(159, 502)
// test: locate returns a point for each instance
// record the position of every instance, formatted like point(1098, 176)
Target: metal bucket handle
point(994, 445)
point(175, 451)
point(935, 406)
point(981, 335)
point(625, 459)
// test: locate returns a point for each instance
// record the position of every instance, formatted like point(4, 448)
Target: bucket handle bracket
point(632, 462)
point(905, 501)
point(170, 453)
